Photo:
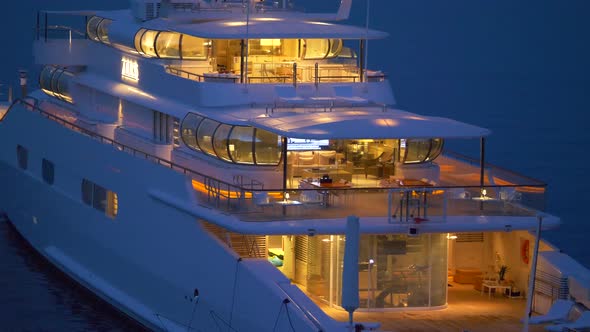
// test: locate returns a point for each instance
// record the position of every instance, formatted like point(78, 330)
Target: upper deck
point(459, 201)
point(211, 45)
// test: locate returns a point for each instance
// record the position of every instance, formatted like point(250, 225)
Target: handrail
point(217, 189)
point(475, 162)
point(199, 77)
point(122, 146)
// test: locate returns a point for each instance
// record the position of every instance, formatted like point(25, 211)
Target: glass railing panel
point(397, 205)
point(279, 72)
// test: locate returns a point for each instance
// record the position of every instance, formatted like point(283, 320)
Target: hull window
point(100, 198)
point(48, 171)
point(22, 156)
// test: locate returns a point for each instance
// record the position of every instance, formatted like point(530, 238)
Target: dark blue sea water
point(519, 68)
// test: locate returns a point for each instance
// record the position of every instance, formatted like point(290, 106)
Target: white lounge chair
point(583, 322)
point(344, 94)
point(558, 312)
point(286, 94)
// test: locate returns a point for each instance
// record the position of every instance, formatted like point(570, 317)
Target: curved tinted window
point(316, 48)
point(137, 39)
point(194, 48)
point(148, 42)
point(205, 135)
point(92, 27)
point(189, 130)
point(422, 150)
point(103, 31)
point(240, 145)
point(266, 147)
point(436, 149)
point(220, 141)
point(63, 88)
point(45, 77)
point(168, 45)
point(335, 47)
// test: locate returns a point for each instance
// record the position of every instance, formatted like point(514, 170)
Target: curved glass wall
point(395, 270)
point(168, 45)
point(194, 48)
point(54, 81)
point(97, 29)
point(189, 130)
point(103, 31)
point(238, 144)
point(267, 148)
point(205, 135)
point(435, 149)
point(220, 141)
point(171, 45)
point(414, 151)
point(92, 27)
point(315, 49)
point(148, 43)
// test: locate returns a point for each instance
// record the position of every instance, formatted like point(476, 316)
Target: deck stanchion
point(531, 290)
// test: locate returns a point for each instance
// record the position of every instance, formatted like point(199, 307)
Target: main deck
point(468, 310)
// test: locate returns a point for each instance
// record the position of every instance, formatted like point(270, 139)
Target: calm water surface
point(519, 68)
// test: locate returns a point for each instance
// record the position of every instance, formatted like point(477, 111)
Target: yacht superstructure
point(194, 163)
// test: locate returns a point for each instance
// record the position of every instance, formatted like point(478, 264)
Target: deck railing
point(396, 203)
point(281, 73)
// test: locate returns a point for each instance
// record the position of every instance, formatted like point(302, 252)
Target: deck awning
point(258, 28)
point(356, 124)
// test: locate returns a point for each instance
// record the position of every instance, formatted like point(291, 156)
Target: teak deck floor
point(467, 310)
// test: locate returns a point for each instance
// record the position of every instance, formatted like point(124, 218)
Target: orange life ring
point(524, 251)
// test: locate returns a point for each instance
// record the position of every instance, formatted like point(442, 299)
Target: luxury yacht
point(235, 166)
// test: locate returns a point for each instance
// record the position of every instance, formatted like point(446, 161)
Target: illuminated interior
point(253, 146)
point(55, 82)
point(395, 270)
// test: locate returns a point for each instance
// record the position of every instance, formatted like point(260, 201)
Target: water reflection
point(38, 297)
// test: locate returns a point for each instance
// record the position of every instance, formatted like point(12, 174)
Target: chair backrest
point(342, 90)
point(285, 91)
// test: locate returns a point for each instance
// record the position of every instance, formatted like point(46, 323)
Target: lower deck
point(468, 310)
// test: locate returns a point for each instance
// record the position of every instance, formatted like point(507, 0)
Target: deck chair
point(344, 94)
point(583, 322)
point(286, 94)
point(559, 312)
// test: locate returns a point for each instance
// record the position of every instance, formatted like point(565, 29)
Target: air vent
point(469, 237)
point(145, 10)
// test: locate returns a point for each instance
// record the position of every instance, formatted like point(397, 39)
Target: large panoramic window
point(267, 148)
point(148, 42)
point(415, 151)
point(97, 29)
point(220, 141)
point(205, 135)
point(194, 48)
point(168, 45)
point(231, 143)
point(55, 82)
point(240, 145)
point(171, 45)
point(189, 130)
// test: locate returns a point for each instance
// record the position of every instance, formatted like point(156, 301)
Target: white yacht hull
point(147, 261)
